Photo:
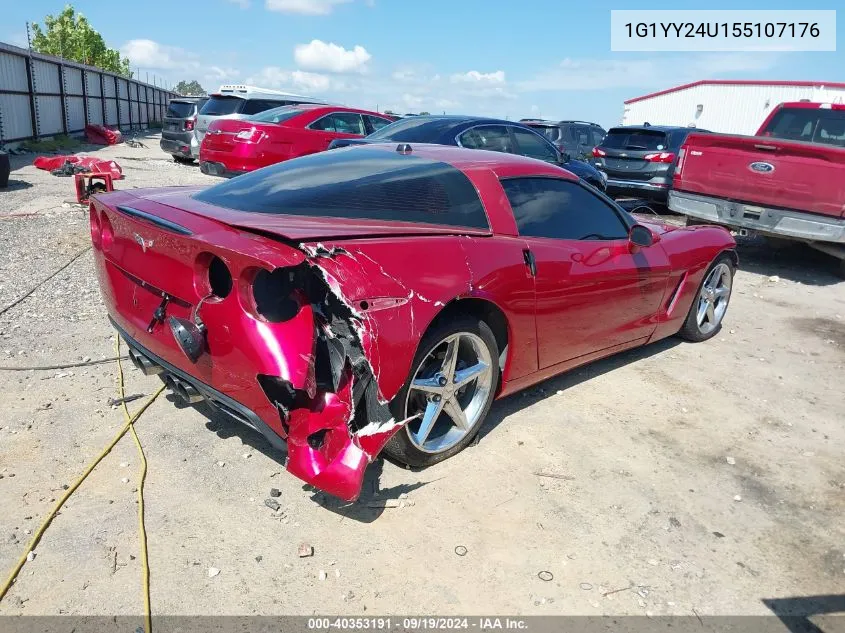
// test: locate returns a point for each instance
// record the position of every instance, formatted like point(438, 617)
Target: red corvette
point(381, 297)
point(235, 146)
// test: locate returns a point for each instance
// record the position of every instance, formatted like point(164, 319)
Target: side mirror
point(641, 236)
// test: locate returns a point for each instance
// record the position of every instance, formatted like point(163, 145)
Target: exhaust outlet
point(147, 367)
point(184, 390)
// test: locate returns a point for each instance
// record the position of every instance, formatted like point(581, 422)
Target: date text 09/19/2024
point(426, 623)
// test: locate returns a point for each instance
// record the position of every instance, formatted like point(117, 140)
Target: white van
point(234, 101)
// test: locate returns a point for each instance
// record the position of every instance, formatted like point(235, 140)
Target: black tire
point(182, 159)
point(400, 447)
point(690, 331)
point(841, 268)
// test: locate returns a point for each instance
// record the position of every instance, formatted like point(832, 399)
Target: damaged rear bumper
point(322, 447)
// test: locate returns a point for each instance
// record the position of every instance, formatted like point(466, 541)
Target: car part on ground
point(177, 130)
point(298, 306)
point(240, 102)
point(640, 160)
point(235, 146)
point(68, 165)
point(788, 181)
point(5, 169)
point(101, 135)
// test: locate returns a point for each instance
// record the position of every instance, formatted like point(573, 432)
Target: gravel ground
point(696, 479)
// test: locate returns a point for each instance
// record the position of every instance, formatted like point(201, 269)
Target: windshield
point(360, 183)
point(219, 106)
point(180, 109)
point(810, 125)
point(620, 138)
point(276, 115)
point(414, 130)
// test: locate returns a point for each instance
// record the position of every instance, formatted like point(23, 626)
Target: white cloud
point(243, 4)
point(328, 56)
point(643, 73)
point(304, 7)
point(475, 77)
point(174, 62)
point(275, 77)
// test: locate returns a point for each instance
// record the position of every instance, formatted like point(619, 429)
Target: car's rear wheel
point(182, 159)
point(451, 387)
point(711, 301)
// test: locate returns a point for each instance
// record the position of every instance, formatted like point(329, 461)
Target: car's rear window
point(551, 132)
point(276, 115)
point(414, 130)
point(361, 183)
point(180, 109)
point(811, 125)
point(620, 138)
point(222, 105)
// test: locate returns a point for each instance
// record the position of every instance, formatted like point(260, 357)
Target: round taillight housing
point(274, 296)
point(212, 278)
point(94, 219)
point(106, 233)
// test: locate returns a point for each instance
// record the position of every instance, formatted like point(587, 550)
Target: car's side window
point(534, 146)
point(561, 209)
point(495, 138)
point(349, 123)
point(376, 122)
point(323, 124)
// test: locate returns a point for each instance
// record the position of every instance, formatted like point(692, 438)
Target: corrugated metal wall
point(727, 108)
point(65, 96)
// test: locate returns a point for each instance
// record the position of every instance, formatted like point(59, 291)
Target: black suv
point(640, 160)
point(177, 131)
point(576, 138)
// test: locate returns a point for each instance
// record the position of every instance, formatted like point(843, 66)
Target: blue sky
point(549, 58)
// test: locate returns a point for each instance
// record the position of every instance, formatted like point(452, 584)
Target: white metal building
point(736, 107)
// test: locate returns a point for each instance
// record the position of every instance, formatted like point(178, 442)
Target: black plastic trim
point(167, 225)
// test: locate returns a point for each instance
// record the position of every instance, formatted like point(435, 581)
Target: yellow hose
point(128, 426)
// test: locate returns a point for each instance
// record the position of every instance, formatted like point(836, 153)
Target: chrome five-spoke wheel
point(713, 298)
point(449, 392)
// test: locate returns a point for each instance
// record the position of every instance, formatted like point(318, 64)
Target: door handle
point(528, 257)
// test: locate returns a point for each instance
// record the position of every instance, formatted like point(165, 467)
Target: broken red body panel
point(310, 324)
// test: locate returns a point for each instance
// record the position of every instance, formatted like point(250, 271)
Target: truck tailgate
point(765, 171)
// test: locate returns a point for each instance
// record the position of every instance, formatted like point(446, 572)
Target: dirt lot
point(697, 478)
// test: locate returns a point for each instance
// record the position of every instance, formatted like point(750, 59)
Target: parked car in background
point(479, 133)
point(788, 181)
point(177, 130)
point(370, 299)
point(239, 102)
point(233, 146)
point(576, 138)
point(640, 160)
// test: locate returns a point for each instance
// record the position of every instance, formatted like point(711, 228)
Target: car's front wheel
point(711, 301)
point(452, 384)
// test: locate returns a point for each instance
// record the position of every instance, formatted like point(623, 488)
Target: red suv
point(236, 146)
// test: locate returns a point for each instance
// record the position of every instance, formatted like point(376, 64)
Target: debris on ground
point(305, 550)
point(70, 164)
point(460, 550)
point(30, 556)
point(212, 572)
point(272, 504)
point(275, 492)
point(737, 498)
point(545, 576)
point(116, 402)
point(730, 460)
point(323, 575)
point(101, 135)
point(586, 586)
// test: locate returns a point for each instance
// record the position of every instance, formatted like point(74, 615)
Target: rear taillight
point(598, 153)
point(250, 135)
point(190, 123)
point(660, 157)
point(94, 219)
point(681, 155)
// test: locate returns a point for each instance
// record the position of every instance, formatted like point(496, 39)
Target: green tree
point(424, 113)
point(189, 88)
point(70, 35)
